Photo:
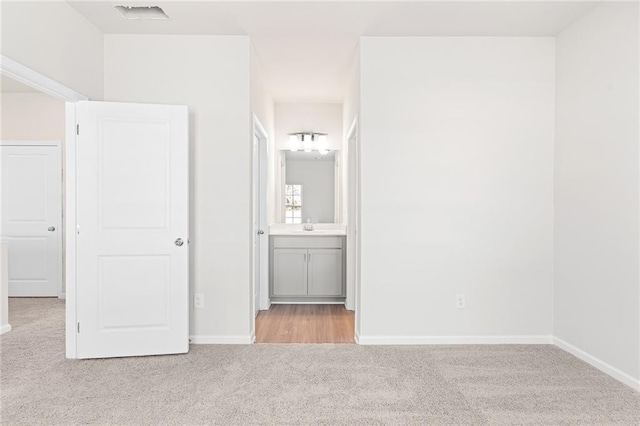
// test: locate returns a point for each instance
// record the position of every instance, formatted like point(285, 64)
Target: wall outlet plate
point(461, 301)
point(198, 301)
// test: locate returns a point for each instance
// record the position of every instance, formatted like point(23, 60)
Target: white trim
point(5, 328)
point(598, 363)
point(454, 340)
point(263, 152)
point(29, 77)
point(221, 340)
point(301, 302)
point(356, 337)
point(352, 128)
point(350, 299)
point(70, 229)
point(354, 191)
point(31, 143)
point(259, 127)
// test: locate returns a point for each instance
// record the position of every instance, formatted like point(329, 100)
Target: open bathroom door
point(132, 224)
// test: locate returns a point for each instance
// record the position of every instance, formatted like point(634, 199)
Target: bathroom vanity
point(307, 266)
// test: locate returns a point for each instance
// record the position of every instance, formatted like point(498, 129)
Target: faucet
point(308, 226)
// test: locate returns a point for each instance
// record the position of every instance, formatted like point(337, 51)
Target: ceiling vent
point(142, 12)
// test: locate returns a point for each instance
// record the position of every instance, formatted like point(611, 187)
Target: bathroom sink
point(310, 232)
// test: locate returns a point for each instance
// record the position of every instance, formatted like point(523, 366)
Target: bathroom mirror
point(309, 185)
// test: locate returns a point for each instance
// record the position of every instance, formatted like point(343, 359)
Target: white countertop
point(319, 229)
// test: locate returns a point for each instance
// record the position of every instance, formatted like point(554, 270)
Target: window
point(293, 204)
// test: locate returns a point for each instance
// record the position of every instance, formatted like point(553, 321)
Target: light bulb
point(293, 143)
point(306, 139)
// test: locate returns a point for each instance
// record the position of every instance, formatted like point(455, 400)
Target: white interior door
point(31, 218)
point(132, 291)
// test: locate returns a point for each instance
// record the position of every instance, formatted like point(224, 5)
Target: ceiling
point(307, 48)
point(8, 85)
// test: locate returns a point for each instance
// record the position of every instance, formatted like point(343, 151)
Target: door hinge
point(78, 129)
point(78, 328)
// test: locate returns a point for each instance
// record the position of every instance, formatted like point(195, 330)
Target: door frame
point(263, 152)
point(45, 84)
point(352, 300)
point(60, 210)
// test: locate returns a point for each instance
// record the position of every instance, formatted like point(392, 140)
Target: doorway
point(308, 239)
point(32, 217)
point(260, 299)
point(23, 80)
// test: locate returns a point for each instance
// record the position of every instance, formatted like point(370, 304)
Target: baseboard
point(357, 338)
point(454, 340)
point(305, 302)
point(5, 328)
point(62, 296)
point(221, 340)
point(599, 364)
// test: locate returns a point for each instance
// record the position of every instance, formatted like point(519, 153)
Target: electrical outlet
point(198, 300)
point(461, 301)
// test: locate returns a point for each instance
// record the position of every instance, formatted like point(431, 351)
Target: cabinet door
point(325, 272)
point(289, 272)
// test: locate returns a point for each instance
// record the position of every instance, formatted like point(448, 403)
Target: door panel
point(325, 272)
point(132, 207)
point(290, 272)
point(133, 193)
point(144, 279)
point(31, 217)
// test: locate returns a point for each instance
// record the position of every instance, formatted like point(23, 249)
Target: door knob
point(51, 228)
point(179, 242)
point(260, 232)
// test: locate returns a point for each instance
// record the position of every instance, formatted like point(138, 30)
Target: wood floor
point(305, 324)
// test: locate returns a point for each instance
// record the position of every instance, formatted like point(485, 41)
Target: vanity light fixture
point(309, 141)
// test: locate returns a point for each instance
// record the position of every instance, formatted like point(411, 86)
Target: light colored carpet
point(299, 384)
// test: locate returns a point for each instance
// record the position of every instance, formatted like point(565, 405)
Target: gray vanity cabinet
point(290, 272)
point(324, 272)
point(307, 268)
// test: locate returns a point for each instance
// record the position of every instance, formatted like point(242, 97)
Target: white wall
point(262, 106)
point(597, 278)
point(318, 188)
point(31, 116)
point(209, 74)
point(299, 117)
point(55, 40)
point(457, 165)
